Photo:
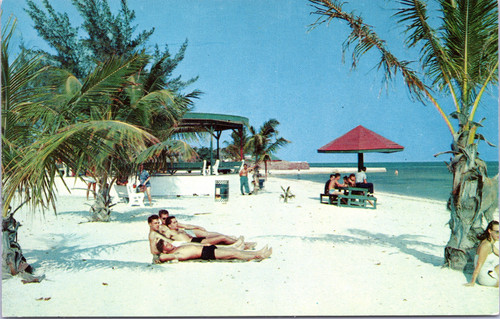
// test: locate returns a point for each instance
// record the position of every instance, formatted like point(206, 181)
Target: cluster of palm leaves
point(459, 59)
point(110, 121)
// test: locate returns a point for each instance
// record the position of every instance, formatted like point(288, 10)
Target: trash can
point(221, 190)
point(261, 183)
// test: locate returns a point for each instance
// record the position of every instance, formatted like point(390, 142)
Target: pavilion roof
point(361, 140)
point(197, 122)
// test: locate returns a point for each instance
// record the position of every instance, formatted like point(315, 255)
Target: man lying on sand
point(155, 235)
point(194, 234)
point(187, 252)
point(193, 230)
point(178, 234)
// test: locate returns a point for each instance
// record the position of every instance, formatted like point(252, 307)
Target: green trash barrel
point(221, 190)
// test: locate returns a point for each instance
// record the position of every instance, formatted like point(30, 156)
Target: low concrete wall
point(188, 185)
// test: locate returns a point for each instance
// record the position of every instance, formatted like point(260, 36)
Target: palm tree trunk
point(13, 261)
point(474, 196)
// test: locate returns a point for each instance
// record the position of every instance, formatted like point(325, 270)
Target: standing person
point(361, 180)
point(486, 259)
point(255, 178)
point(144, 180)
point(244, 179)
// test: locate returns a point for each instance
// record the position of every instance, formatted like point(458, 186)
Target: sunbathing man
point(178, 234)
point(187, 252)
point(196, 232)
point(155, 235)
point(192, 230)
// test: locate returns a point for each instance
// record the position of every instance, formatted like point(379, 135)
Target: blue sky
point(259, 59)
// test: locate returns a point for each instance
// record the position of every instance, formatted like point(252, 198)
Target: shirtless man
point(197, 231)
point(244, 179)
point(334, 185)
point(178, 234)
point(186, 252)
point(155, 235)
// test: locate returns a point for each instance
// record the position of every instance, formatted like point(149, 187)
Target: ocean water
point(419, 179)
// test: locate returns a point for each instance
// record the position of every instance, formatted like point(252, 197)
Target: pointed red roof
point(361, 140)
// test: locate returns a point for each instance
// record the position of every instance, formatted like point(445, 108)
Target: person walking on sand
point(144, 180)
point(486, 259)
point(244, 179)
point(212, 252)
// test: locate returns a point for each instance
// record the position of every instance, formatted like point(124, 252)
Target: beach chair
point(122, 193)
point(134, 199)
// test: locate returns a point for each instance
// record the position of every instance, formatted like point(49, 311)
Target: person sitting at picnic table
point(351, 180)
point(486, 259)
point(186, 252)
point(334, 186)
point(361, 180)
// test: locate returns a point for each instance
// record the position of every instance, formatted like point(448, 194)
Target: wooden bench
point(229, 167)
point(356, 197)
point(332, 201)
point(352, 197)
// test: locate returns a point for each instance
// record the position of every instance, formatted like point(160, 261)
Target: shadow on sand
point(405, 243)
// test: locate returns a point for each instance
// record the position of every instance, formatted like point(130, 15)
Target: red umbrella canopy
point(361, 140)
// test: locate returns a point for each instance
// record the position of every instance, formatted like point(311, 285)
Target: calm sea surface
point(422, 179)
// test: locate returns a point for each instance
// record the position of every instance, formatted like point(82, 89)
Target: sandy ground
point(326, 260)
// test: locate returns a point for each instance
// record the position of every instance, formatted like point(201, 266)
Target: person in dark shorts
point(178, 234)
point(187, 252)
point(197, 239)
point(208, 252)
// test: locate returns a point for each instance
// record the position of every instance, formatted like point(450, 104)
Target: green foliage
point(232, 151)
point(266, 141)
point(101, 36)
point(458, 60)
point(203, 153)
point(287, 194)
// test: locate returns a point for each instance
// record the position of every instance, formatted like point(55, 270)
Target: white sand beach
point(327, 261)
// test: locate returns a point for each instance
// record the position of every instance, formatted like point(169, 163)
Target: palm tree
point(459, 60)
point(236, 150)
point(265, 142)
point(75, 125)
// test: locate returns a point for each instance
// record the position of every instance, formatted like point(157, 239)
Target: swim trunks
point(197, 239)
point(208, 252)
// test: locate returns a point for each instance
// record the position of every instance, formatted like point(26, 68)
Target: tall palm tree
point(41, 126)
point(265, 142)
point(236, 150)
point(458, 59)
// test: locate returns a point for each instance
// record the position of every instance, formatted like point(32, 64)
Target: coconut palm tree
point(265, 142)
point(80, 124)
point(236, 150)
point(459, 59)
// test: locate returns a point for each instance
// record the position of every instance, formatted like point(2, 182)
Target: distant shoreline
point(325, 170)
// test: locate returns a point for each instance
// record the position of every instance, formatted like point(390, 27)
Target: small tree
point(265, 142)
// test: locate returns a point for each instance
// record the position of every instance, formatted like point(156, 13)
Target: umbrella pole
point(360, 161)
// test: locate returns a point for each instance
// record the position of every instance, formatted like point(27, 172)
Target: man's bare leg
point(231, 253)
point(219, 240)
point(204, 233)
